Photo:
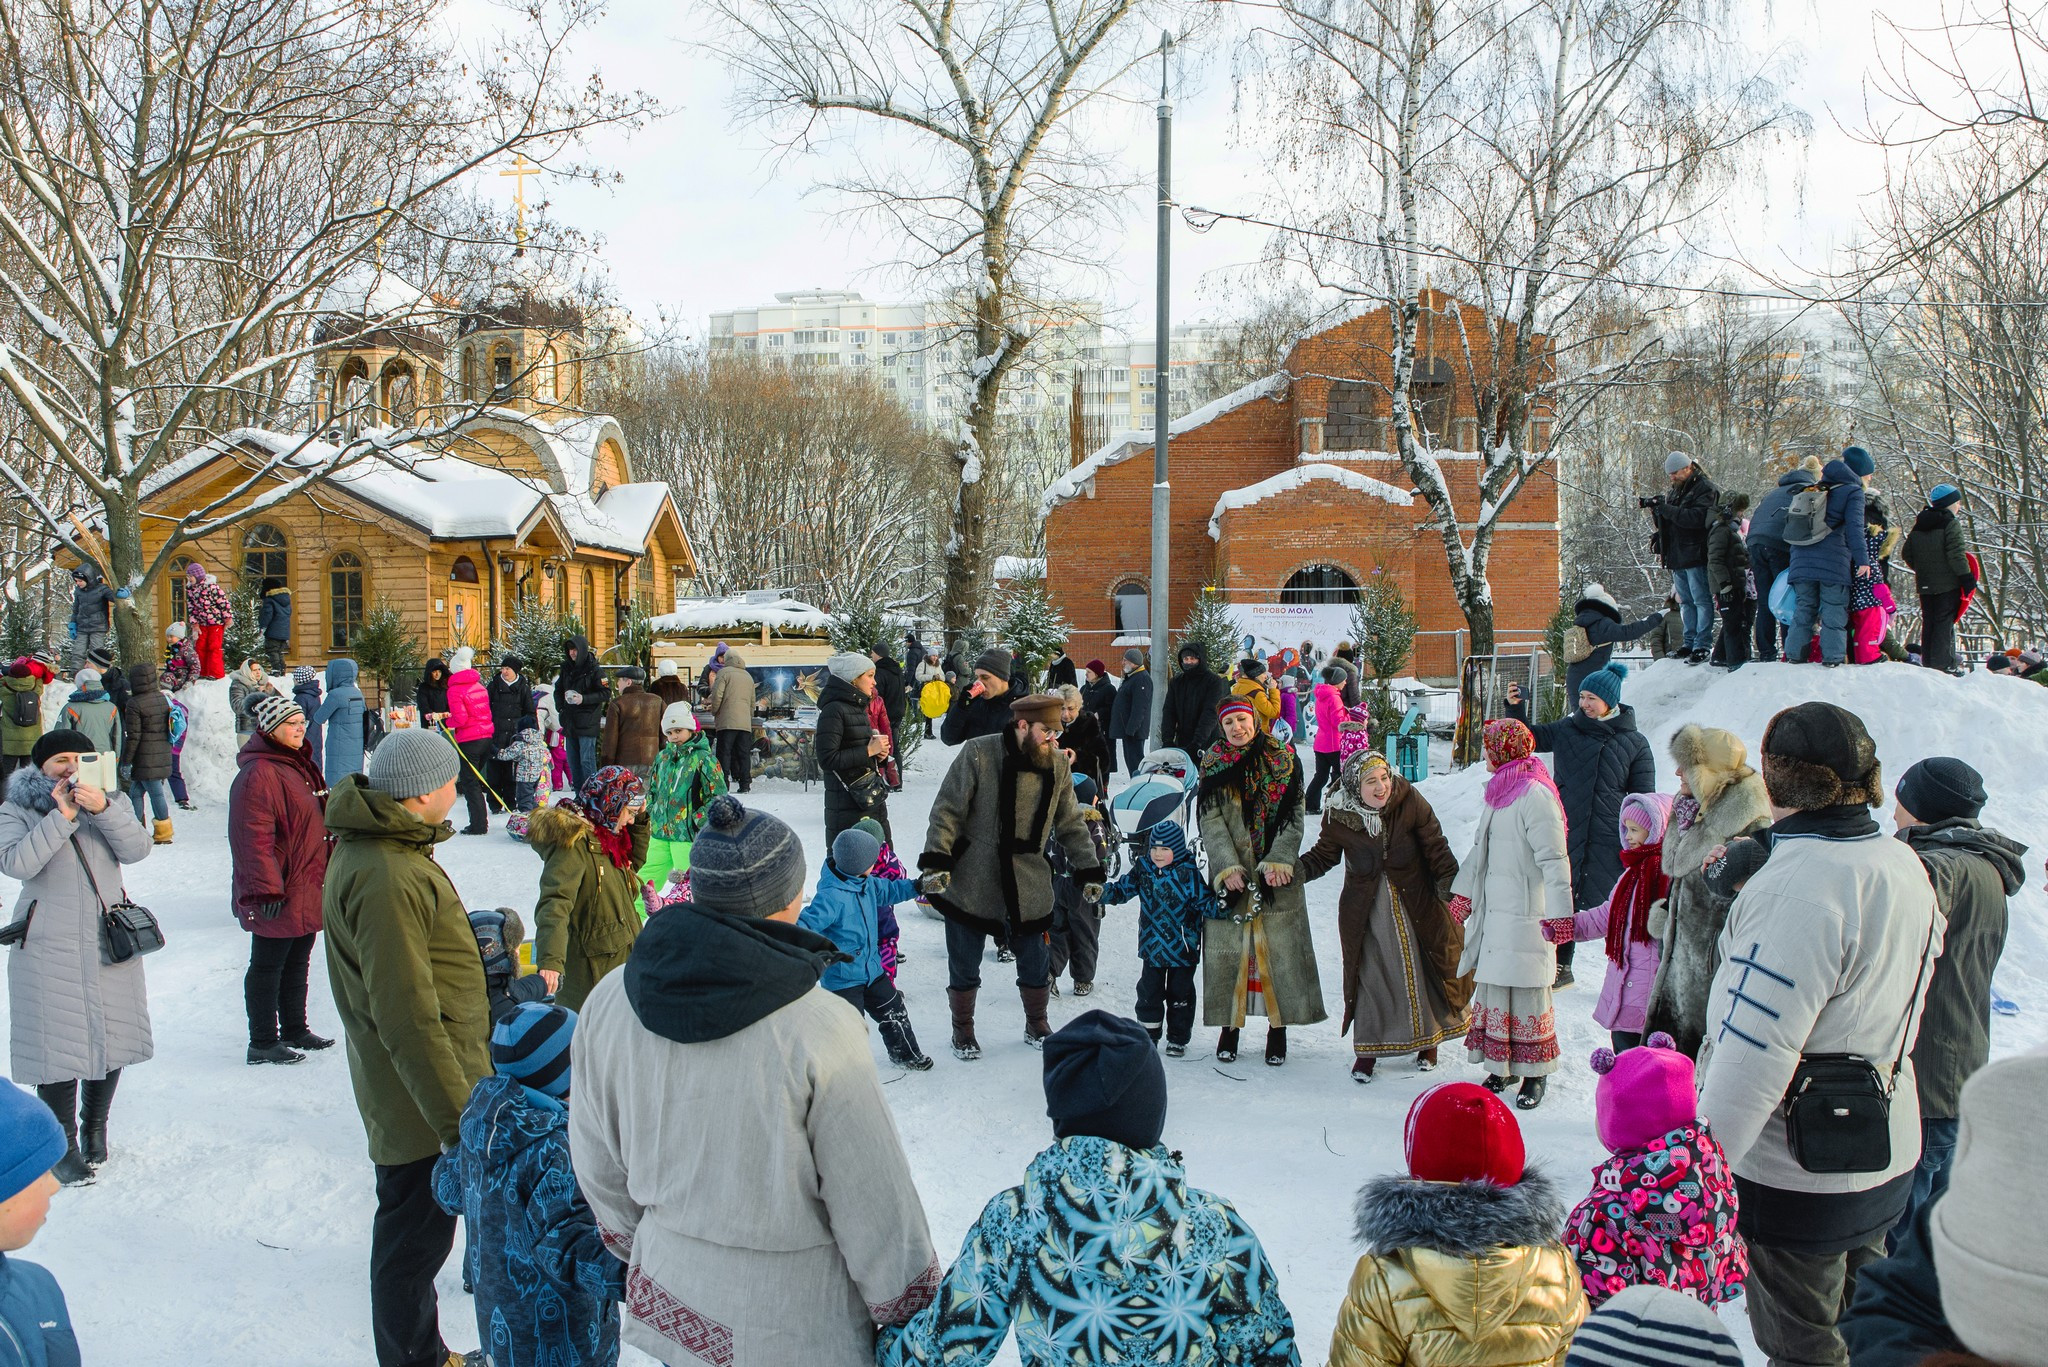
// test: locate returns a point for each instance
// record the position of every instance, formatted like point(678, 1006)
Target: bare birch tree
point(1518, 157)
point(184, 189)
point(971, 121)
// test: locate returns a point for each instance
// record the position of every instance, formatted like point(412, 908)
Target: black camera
point(1652, 501)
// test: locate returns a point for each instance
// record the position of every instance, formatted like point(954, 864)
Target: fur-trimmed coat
point(989, 826)
point(1688, 928)
point(584, 922)
point(1293, 986)
point(1459, 1275)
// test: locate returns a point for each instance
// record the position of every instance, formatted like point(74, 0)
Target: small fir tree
point(857, 625)
point(21, 629)
point(1553, 704)
point(243, 639)
point(538, 633)
point(636, 635)
point(1034, 629)
point(1384, 627)
point(1210, 623)
point(386, 648)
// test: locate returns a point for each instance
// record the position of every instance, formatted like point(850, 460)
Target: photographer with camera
point(1682, 517)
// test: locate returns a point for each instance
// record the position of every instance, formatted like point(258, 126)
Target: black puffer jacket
point(1682, 517)
point(431, 696)
point(889, 688)
point(146, 726)
point(1099, 700)
point(1727, 559)
point(842, 738)
point(1130, 711)
point(580, 675)
point(1597, 763)
point(1599, 616)
point(511, 703)
point(1190, 722)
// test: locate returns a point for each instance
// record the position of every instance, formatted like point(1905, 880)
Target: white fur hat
point(665, 670)
point(462, 659)
point(176, 631)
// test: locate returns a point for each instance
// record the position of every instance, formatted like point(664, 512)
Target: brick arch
point(1358, 577)
point(1110, 586)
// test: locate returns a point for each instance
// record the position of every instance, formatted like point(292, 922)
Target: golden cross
point(521, 169)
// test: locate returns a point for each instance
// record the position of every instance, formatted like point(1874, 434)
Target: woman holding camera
point(73, 1017)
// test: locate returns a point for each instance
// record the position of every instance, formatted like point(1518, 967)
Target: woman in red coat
point(277, 833)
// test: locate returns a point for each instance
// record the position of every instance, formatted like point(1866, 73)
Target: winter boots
point(163, 832)
point(965, 1047)
point(1226, 1046)
point(1531, 1094)
point(1361, 1068)
point(1425, 1062)
point(1276, 1046)
point(274, 1053)
point(901, 1041)
point(309, 1041)
point(62, 1098)
point(97, 1100)
point(1036, 1028)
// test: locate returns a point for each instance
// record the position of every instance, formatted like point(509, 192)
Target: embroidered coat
point(1292, 984)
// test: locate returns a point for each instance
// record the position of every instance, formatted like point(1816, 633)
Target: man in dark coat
point(984, 857)
point(983, 707)
point(1823, 571)
point(1192, 698)
point(1130, 711)
point(1600, 758)
point(1974, 871)
point(1940, 562)
point(1728, 580)
point(580, 696)
point(274, 620)
point(1682, 516)
point(1769, 555)
point(889, 685)
point(512, 706)
point(1060, 672)
point(92, 612)
point(1599, 616)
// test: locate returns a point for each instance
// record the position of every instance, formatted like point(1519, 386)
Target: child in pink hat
point(1662, 1208)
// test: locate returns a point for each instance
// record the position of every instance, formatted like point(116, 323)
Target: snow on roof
point(445, 496)
point(1019, 567)
point(632, 508)
point(1295, 479)
point(1081, 479)
point(703, 615)
point(364, 290)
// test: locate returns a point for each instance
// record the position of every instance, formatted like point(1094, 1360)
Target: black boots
point(901, 1041)
point(1531, 1095)
point(62, 1098)
point(1361, 1068)
point(98, 1099)
point(1496, 1082)
point(308, 1041)
point(274, 1053)
point(965, 1046)
point(1276, 1046)
point(1226, 1045)
point(1036, 1028)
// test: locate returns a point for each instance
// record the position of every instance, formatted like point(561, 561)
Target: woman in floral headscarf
point(1517, 877)
point(1258, 958)
point(585, 921)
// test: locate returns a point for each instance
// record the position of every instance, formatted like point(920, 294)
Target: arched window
point(178, 582)
point(544, 376)
point(1133, 608)
point(344, 600)
point(1429, 395)
point(469, 376)
point(1319, 584)
point(354, 405)
point(589, 602)
point(501, 373)
point(265, 554)
point(463, 571)
point(401, 394)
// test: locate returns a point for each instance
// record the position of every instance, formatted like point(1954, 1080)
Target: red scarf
point(617, 845)
point(1642, 882)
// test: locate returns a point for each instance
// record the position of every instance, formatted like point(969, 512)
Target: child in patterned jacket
point(1662, 1209)
point(530, 763)
point(1173, 898)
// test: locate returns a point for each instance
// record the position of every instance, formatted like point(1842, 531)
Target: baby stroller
point(1164, 789)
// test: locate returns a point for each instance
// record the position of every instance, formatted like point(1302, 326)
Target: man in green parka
point(1941, 563)
point(409, 987)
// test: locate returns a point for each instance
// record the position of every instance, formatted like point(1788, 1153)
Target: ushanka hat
point(1819, 755)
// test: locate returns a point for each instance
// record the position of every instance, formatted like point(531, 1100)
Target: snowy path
point(233, 1224)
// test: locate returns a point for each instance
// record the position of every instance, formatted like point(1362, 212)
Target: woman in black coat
point(1082, 739)
point(1098, 694)
point(1599, 759)
point(431, 696)
point(889, 686)
point(846, 749)
point(512, 706)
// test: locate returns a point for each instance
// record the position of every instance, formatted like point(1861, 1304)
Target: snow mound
point(208, 759)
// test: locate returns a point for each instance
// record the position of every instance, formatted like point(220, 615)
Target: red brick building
point(1288, 491)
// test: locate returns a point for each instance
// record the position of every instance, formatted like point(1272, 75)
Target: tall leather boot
point(901, 1041)
point(62, 1099)
point(1276, 1046)
point(1036, 1028)
point(98, 1099)
point(965, 1047)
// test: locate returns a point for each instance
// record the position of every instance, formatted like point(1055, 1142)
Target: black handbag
point(16, 931)
point(1838, 1109)
point(869, 791)
point(128, 930)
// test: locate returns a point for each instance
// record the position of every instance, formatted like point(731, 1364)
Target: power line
point(1202, 220)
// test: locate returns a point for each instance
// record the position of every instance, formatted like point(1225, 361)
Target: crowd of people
point(1765, 940)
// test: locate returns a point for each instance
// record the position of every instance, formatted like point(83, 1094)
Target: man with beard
point(984, 858)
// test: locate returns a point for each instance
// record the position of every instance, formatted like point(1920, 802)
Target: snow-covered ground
point(233, 1223)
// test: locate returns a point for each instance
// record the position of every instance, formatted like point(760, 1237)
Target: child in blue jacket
point(33, 1315)
point(1173, 898)
point(547, 1289)
point(846, 909)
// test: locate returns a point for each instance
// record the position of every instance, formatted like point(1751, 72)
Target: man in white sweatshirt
point(1828, 950)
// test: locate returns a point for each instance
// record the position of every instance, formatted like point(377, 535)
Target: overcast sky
point(708, 216)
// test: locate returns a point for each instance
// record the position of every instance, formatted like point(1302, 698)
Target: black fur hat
point(1819, 755)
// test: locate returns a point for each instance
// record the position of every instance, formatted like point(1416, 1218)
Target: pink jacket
point(469, 707)
point(1625, 997)
point(1329, 716)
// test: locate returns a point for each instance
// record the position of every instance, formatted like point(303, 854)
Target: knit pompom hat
point(678, 716)
point(1605, 684)
point(1859, 460)
point(271, 711)
point(462, 659)
point(744, 863)
point(1643, 1094)
point(1460, 1132)
point(854, 852)
point(412, 763)
point(1944, 496)
point(1653, 1324)
point(303, 675)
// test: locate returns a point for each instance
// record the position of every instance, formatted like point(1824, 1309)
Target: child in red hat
point(1462, 1261)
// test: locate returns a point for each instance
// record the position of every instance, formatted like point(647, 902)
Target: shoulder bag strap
point(86, 864)
point(1926, 954)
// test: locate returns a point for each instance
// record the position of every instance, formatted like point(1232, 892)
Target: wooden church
point(532, 499)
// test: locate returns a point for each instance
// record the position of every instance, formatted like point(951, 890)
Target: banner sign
point(1267, 629)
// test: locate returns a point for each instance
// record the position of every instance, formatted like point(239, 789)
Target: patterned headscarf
point(1511, 749)
point(602, 798)
point(1264, 777)
point(1506, 739)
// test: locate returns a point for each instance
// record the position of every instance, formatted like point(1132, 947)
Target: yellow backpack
point(935, 699)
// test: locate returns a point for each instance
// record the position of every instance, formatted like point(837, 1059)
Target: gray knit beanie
point(848, 665)
point(1675, 462)
point(412, 763)
point(744, 863)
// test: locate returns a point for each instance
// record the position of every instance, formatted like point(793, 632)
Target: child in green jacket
point(685, 779)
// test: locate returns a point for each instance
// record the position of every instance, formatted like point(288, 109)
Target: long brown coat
point(1413, 855)
point(632, 729)
point(988, 830)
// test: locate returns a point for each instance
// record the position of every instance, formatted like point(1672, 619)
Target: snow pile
point(1081, 479)
point(1019, 567)
point(208, 759)
point(1296, 478)
point(696, 617)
